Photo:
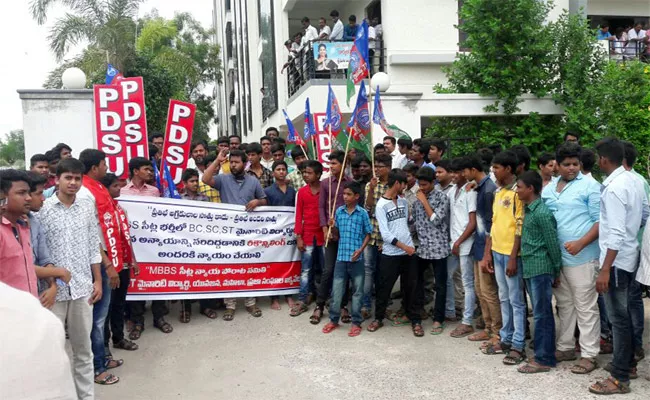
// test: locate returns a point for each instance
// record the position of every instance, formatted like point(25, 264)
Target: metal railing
point(627, 51)
point(302, 65)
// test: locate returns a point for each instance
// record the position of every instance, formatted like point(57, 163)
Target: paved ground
point(279, 357)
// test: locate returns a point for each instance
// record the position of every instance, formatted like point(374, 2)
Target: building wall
point(58, 116)
point(626, 8)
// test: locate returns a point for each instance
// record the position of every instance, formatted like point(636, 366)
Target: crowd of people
point(630, 42)
point(301, 65)
point(477, 237)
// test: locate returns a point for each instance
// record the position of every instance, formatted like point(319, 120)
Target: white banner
point(190, 249)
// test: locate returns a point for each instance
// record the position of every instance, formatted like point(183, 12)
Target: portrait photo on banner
point(330, 56)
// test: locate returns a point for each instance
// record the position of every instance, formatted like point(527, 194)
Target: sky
point(27, 58)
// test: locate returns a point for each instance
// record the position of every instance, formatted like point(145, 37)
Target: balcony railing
point(621, 51)
point(325, 60)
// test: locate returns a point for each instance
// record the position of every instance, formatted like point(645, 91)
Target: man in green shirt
point(542, 259)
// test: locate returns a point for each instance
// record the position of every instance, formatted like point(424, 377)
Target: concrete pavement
point(280, 357)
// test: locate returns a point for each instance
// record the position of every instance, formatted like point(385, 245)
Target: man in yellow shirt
point(502, 257)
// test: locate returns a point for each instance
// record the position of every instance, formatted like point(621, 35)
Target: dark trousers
point(115, 328)
point(637, 313)
point(406, 268)
point(617, 300)
point(327, 276)
point(440, 276)
point(203, 304)
point(540, 289)
point(158, 309)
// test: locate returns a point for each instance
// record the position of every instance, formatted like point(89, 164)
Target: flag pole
point(372, 128)
point(329, 129)
point(338, 186)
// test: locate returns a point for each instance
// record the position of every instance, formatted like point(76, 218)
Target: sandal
point(514, 360)
point(254, 311)
point(437, 329)
point(479, 337)
point(345, 316)
point(375, 326)
point(330, 327)
point(228, 315)
point(355, 330)
point(401, 321)
point(125, 345)
point(461, 331)
point(610, 386)
point(530, 368)
point(298, 308)
point(495, 348)
point(417, 330)
point(316, 316)
point(109, 379)
point(111, 363)
point(136, 332)
point(569, 355)
point(584, 366)
point(185, 317)
point(164, 326)
point(210, 313)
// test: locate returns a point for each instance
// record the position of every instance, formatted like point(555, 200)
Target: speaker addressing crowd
point(471, 239)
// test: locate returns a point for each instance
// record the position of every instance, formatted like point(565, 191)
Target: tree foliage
point(176, 58)
point(600, 97)
point(12, 149)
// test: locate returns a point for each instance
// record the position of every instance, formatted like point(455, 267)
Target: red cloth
point(118, 243)
point(16, 257)
point(307, 217)
point(51, 181)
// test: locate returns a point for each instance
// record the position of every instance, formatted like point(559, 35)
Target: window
point(267, 59)
point(229, 40)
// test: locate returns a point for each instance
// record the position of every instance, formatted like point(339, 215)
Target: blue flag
point(156, 174)
point(310, 129)
point(169, 187)
point(292, 136)
point(112, 74)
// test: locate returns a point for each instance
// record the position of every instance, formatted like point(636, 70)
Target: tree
point(509, 51)
point(108, 26)
point(12, 149)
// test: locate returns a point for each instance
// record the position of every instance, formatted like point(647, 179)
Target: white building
point(419, 38)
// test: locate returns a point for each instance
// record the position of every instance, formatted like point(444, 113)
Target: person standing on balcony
point(375, 55)
point(350, 31)
point(337, 30)
point(636, 37)
point(325, 31)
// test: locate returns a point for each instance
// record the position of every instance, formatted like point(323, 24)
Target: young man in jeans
point(623, 210)
point(462, 224)
point(484, 281)
point(502, 254)
point(397, 258)
point(353, 227)
point(542, 260)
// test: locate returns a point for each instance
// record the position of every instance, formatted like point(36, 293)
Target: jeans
point(440, 274)
point(327, 276)
point(311, 257)
point(115, 328)
point(511, 296)
point(100, 312)
point(355, 272)
point(370, 259)
point(467, 271)
point(618, 308)
point(605, 324)
point(406, 268)
point(636, 313)
point(540, 289)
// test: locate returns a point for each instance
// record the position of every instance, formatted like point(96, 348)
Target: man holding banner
point(241, 188)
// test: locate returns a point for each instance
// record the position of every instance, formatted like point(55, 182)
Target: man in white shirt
point(399, 159)
point(372, 38)
point(35, 363)
point(635, 37)
point(623, 211)
point(462, 224)
point(311, 33)
point(324, 33)
point(375, 46)
point(337, 30)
